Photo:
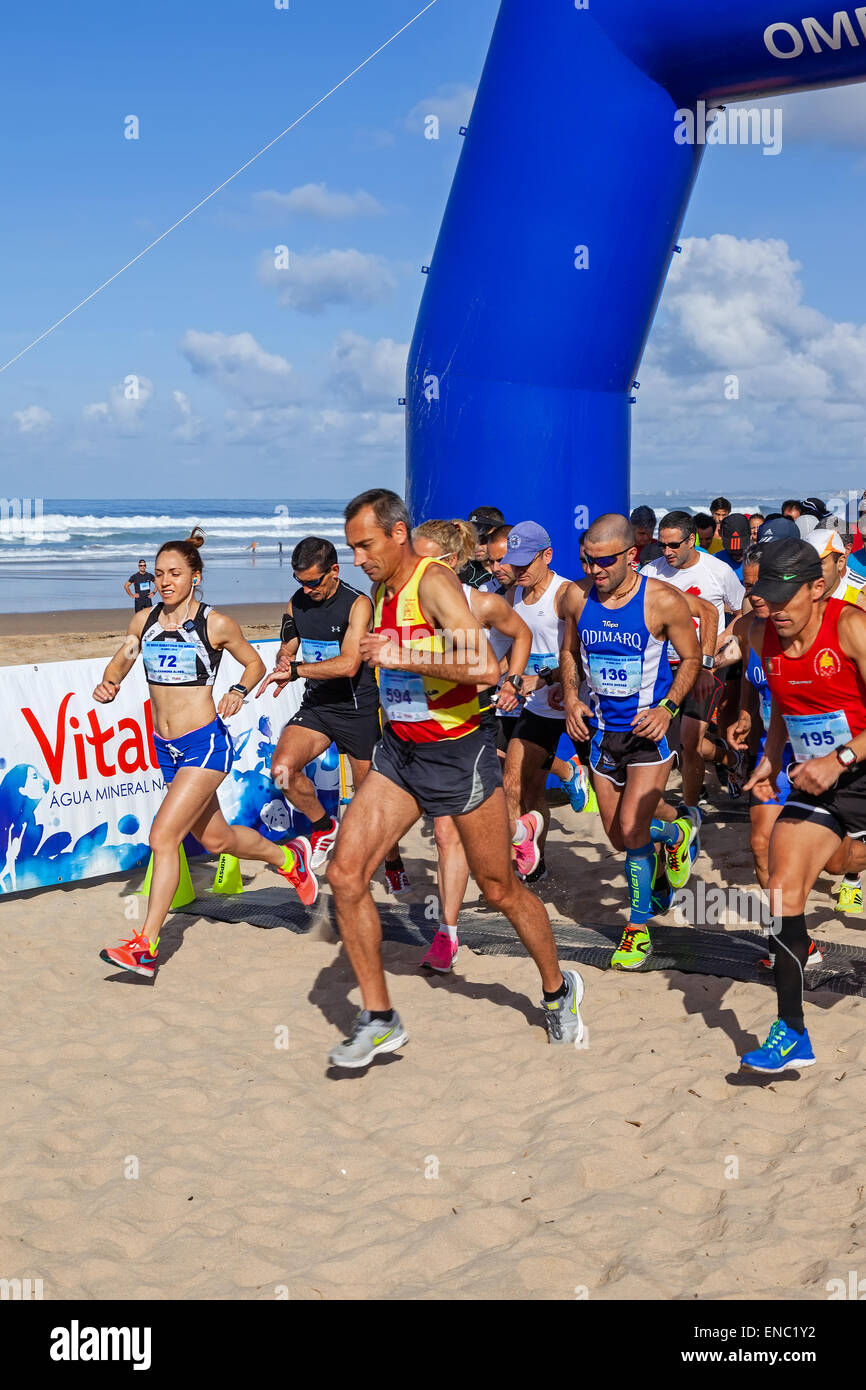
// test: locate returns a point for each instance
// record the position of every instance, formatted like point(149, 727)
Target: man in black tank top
point(324, 622)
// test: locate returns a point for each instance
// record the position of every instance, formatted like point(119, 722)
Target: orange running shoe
point(297, 870)
point(134, 954)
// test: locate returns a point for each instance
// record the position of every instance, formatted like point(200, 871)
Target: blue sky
point(246, 385)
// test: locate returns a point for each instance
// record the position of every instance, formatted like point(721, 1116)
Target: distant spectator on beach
point(706, 533)
point(139, 586)
point(643, 519)
point(720, 508)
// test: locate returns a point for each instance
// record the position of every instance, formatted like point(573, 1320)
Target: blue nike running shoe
point(783, 1048)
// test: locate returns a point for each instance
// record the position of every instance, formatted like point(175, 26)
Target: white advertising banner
point(80, 783)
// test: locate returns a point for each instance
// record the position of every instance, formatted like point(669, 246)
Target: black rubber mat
point(733, 955)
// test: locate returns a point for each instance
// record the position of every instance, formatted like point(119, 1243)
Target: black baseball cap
point(785, 567)
point(486, 519)
point(736, 533)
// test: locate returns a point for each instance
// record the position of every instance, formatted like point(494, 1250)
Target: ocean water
point(77, 554)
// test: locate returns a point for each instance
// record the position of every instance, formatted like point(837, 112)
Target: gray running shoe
point(370, 1036)
point(564, 1023)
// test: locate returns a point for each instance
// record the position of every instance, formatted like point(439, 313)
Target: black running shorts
point(612, 753)
point(841, 809)
point(544, 733)
point(355, 732)
point(447, 778)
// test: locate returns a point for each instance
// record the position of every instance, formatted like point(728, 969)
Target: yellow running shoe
point(679, 865)
point(633, 949)
point(850, 898)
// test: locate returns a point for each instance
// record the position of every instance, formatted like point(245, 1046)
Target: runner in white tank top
point(539, 599)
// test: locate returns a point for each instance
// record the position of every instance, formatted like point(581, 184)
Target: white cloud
point(452, 104)
point(366, 372)
point(191, 428)
point(734, 308)
point(125, 405)
point(312, 281)
point(34, 419)
point(240, 365)
point(268, 425)
point(317, 200)
point(369, 428)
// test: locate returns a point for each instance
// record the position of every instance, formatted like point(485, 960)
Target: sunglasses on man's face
point(603, 562)
point(311, 583)
point(676, 546)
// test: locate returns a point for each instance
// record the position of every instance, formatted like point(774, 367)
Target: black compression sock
point(386, 1016)
point(393, 864)
point(557, 993)
point(791, 950)
point(324, 823)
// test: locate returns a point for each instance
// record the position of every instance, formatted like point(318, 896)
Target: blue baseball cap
point(525, 540)
point(780, 528)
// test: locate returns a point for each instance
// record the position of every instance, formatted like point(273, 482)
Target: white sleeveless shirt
point(547, 631)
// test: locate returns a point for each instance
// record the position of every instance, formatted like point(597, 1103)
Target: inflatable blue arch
point(558, 233)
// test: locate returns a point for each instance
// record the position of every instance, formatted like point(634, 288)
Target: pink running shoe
point(442, 954)
point(527, 854)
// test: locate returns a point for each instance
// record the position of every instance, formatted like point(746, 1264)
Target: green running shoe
point(679, 866)
point(632, 950)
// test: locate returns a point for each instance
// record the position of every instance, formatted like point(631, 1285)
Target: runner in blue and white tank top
point(618, 625)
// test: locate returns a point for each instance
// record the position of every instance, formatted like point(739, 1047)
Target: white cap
point(826, 542)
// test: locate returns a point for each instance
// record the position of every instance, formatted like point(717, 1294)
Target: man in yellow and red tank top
point(813, 651)
point(436, 756)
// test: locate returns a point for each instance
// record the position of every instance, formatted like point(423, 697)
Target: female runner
point(182, 641)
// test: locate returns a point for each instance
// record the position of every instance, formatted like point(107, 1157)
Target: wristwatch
point(846, 756)
point(546, 676)
point(672, 709)
point(294, 671)
point(708, 662)
point(239, 690)
point(516, 682)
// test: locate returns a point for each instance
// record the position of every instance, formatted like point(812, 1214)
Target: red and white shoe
point(298, 872)
point(442, 953)
point(397, 881)
point(527, 854)
point(321, 844)
point(134, 954)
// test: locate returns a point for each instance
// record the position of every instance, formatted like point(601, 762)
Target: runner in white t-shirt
point(694, 572)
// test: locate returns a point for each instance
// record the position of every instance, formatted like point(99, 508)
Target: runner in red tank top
point(428, 678)
point(813, 651)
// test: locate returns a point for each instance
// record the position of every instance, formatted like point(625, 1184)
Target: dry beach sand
point(157, 1142)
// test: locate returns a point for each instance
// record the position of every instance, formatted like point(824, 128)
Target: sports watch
point(846, 756)
point(239, 690)
point(672, 709)
point(708, 662)
point(516, 682)
point(294, 671)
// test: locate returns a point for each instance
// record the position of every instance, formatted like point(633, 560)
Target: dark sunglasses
point(311, 583)
point(603, 562)
point(678, 545)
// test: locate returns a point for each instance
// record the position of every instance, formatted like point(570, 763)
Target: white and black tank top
point(182, 656)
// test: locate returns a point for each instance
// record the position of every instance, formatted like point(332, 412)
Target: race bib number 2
point(813, 735)
point(319, 651)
